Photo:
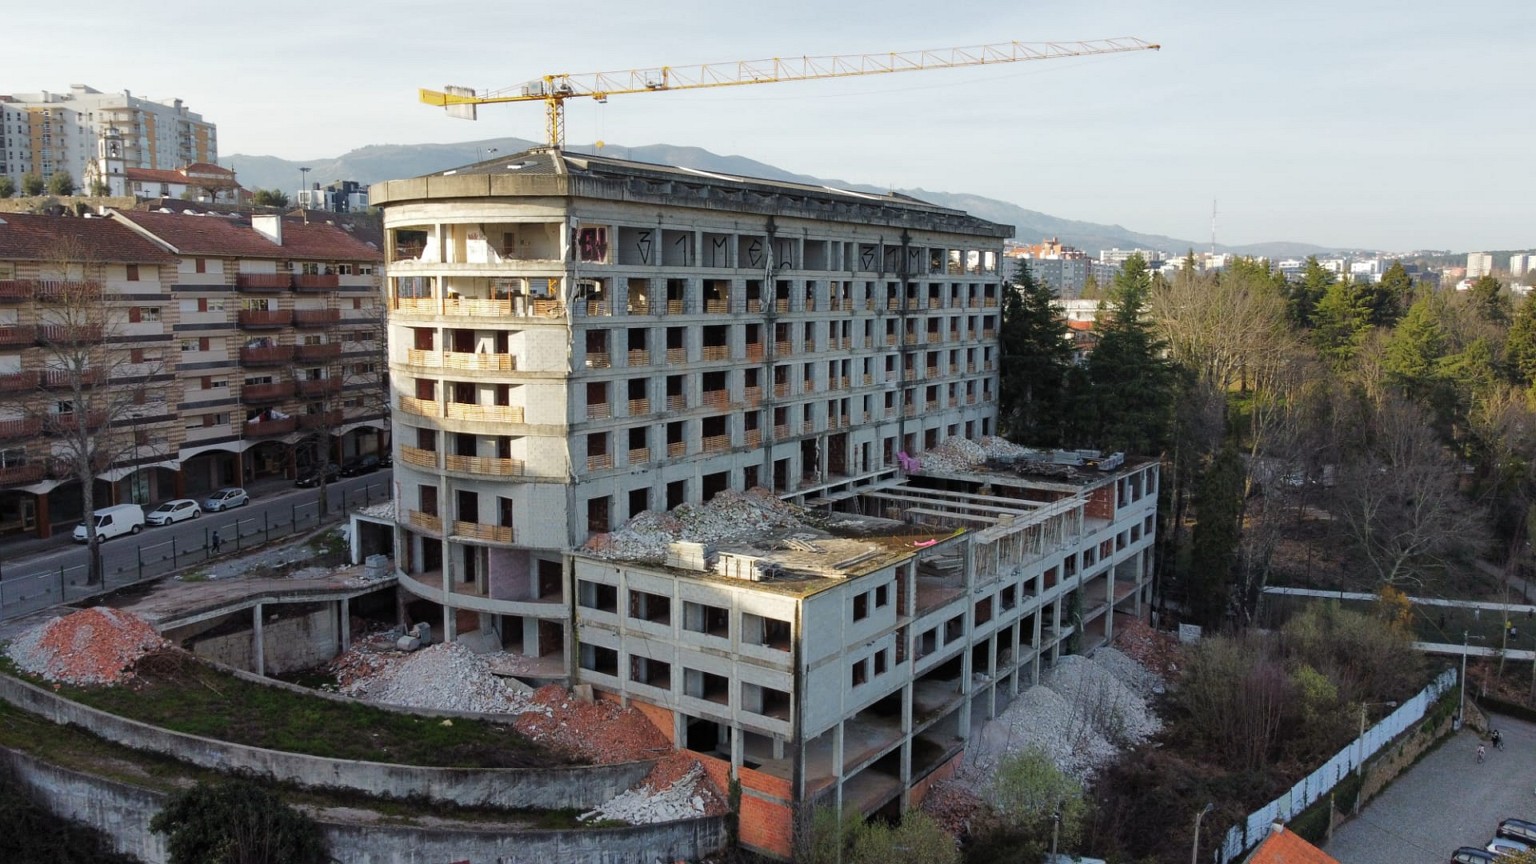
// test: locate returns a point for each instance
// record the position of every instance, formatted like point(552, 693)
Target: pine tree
point(1307, 293)
point(1491, 301)
point(1213, 548)
point(1341, 322)
point(1520, 350)
point(1416, 347)
point(1035, 358)
point(1130, 378)
point(1396, 295)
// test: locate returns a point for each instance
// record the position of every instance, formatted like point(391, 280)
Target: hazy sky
point(1397, 125)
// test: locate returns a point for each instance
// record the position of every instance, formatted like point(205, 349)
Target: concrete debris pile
point(1081, 718)
point(99, 645)
point(1132, 674)
point(1155, 650)
point(1003, 449)
point(677, 788)
point(729, 514)
point(442, 677)
point(953, 454)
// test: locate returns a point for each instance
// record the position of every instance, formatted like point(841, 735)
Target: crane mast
point(554, 90)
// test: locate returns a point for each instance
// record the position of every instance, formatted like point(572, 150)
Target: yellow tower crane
point(553, 90)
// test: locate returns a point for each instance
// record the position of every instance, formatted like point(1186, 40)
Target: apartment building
point(846, 662)
point(577, 339)
point(262, 338)
point(46, 132)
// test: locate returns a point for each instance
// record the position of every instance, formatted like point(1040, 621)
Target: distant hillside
point(379, 162)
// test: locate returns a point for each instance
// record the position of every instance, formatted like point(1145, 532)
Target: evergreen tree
point(1491, 301)
point(1395, 293)
point(1307, 293)
point(269, 198)
point(1416, 347)
point(1035, 358)
point(1520, 350)
point(1131, 380)
point(1341, 321)
point(1213, 548)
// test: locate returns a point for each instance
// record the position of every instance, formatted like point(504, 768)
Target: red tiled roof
point(24, 237)
point(1283, 846)
point(1080, 325)
point(219, 236)
point(154, 175)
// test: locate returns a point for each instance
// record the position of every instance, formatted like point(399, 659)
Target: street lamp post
point(303, 183)
point(1194, 849)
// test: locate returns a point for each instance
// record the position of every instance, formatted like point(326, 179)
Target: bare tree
point(94, 392)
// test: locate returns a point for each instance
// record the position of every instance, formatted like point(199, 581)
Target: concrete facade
point(575, 339)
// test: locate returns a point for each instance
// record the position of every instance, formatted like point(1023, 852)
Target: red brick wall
point(660, 717)
point(1101, 503)
point(766, 819)
point(943, 772)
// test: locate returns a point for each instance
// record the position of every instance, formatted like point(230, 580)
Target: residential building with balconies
point(577, 339)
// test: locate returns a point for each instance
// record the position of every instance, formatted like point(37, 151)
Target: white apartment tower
point(577, 339)
point(1479, 264)
point(46, 132)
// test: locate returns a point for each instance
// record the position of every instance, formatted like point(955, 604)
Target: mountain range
point(378, 162)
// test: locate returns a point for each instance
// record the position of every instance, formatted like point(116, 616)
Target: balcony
point(677, 448)
point(17, 382)
point(754, 437)
point(317, 353)
point(599, 461)
point(677, 403)
point(418, 457)
point(485, 413)
point(473, 307)
point(639, 357)
point(716, 398)
point(429, 522)
point(16, 475)
point(254, 394)
point(420, 407)
point(598, 360)
point(677, 356)
point(69, 334)
point(717, 352)
point(480, 531)
point(314, 388)
point(60, 292)
point(753, 396)
point(639, 407)
point(26, 427)
point(15, 289)
point(599, 411)
point(258, 319)
point(321, 420)
point(471, 362)
point(486, 465)
point(72, 421)
point(263, 282)
point(316, 317)
point(272, 355)
point(316, 282)
point(717, 443)
point(267, 428)
point(639, 455)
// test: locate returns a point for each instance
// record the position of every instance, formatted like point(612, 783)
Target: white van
point(114, 521)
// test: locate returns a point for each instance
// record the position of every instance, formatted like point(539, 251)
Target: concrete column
point(837, 768)
point(531, 637)
point(258, 642)
point(344, 607)
point(737, 750)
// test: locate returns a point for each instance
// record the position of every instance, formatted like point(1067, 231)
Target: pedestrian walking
point(216, 542)
point(1482, 753)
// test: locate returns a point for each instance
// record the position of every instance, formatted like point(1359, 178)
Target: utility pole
point(1194, 850)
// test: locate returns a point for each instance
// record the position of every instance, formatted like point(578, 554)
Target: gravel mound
point(99, 645)
point(1116, 711)
point(443, 677)
point(953, 454)
point(728, 514)
point(1143, 681)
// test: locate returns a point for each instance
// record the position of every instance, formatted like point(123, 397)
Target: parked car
point(1472, 855)
point(114, 521)
point(1501, 846)
point(1517, 829)
point(224, 499)
point(312, 477)
point(174, 511)
point(386, 460)
point(360, 466)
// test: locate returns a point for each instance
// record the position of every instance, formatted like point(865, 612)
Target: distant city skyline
point(1368, 125)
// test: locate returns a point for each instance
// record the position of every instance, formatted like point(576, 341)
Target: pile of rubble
point(99, 645)
point(953, 454)
point(443, 677)
point(1154, 650)
point(677, 788)
point(598, 731)
point(729, 514)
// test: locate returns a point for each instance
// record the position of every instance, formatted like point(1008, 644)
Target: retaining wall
point(578, 787)
point(123, 812)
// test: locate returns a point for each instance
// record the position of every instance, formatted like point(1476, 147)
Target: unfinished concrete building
point(845, 661)
point(576, 339)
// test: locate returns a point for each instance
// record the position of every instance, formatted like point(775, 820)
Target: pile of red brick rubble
point(93, 646)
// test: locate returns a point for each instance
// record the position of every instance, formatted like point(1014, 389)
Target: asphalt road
point(1445, 801)
point(58, 574)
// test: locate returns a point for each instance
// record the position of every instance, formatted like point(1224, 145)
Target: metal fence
point(1314, 786)
point(36, 590)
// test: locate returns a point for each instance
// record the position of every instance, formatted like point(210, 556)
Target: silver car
point(174, 511)
point(224, 499)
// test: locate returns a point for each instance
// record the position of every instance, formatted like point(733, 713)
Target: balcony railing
point(677, 448)
point(639, 407)
point(717, 443)
point(17, 382)
point(263, 281)
point(18, 474)
point(71, 421)
point(15, 289)
point(315, 282)
point(599, 461)
point(677, 403)
point(69, 334)
point(754, 437)
point(23, 428)
point(425, 521)
point(677, 356)
point(717, 352)
point(11, 337)
point(418, 457)
point(599, 410)
point(752, 395)
point(420, 407)
point(485, 413)
point(639, 357)
point(489, 465)
point(479, 362)
point(477, 307)
point(317, 353)
point(272, 355)
point(416, 305)
point(265, 428)
point(639, 455)
point(481, 531)
point(262, 318)
point(321, 419)
point(316, 317)
point(274, 392)
point(598, 360)
point(716, 398)
point(58, 291)
point(315, 387)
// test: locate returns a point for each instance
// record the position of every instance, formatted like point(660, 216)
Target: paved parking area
point(1445, 801)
